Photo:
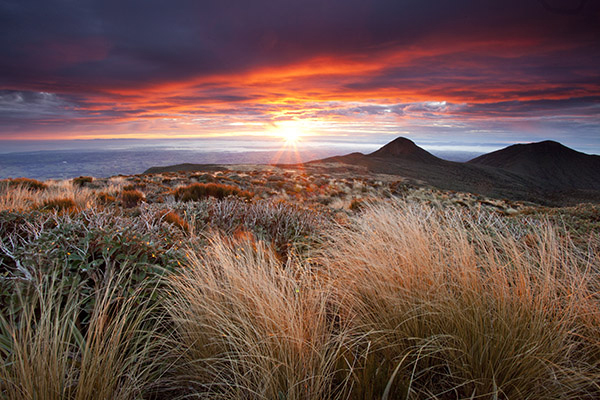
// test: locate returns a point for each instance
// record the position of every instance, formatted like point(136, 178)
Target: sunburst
point(291, 131)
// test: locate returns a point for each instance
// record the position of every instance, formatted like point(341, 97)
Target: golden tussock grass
point(453, 306)
point(46, 354)
point(23, 198)
point(252, 327)
point(407, 302)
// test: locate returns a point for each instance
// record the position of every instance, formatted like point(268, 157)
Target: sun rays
point(291, 131)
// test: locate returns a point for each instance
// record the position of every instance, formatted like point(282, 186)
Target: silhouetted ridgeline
point(549, 163)
point(545, 172)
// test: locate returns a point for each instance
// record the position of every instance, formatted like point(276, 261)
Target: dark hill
point(550, 163)
point(404, 158)
point(547, 172)
point(406, 149)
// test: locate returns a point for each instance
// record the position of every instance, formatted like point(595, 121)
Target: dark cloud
point(91, 43)
point(581, 106)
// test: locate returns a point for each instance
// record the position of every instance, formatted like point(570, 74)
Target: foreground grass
point(252, 327)
point(51, 350)
point(465, 306)
point(275, 302)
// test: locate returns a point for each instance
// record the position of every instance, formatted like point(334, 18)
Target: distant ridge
point(550, 163)
point(404, 158)
point(187, 167)
point(546, 172)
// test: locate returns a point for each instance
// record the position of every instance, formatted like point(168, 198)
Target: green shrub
point(199, 191)
point(202, 178)
point(283, 224)
point(84, 247)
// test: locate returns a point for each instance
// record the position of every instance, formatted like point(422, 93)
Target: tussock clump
point(251, 327)
point(82, 180)
point(105, 198)
point(200, 191)
point(451, 305)
point(27, 183)
point(48, 352)
point(63, 204)
point(131, 198)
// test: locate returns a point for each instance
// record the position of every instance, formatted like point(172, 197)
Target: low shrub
point(105, 198)
point(63, 204)
point(174, 219)
point(203, 178)
point(131, 198)
point(82, 180)
point(84, 247)
point(199, 191)
point(285, 225)
point(28, 183)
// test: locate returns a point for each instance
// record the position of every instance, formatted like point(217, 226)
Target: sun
point(291, 135)
point(290, 131)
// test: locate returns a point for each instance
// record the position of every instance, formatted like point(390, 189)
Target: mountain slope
point(404, 158)
point(546, 172)
point(550, 163)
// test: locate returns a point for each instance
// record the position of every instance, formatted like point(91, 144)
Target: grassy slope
point(316, 287)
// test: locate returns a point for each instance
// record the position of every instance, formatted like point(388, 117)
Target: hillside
point(547, 172)
point(404, 158)
point(407, 150)
point(312, 273)
point(548, 162)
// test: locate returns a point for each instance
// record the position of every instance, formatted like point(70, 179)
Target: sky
point(460, 73)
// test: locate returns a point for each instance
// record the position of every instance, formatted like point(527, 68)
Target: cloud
point(133, 43)
point(145, 67)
